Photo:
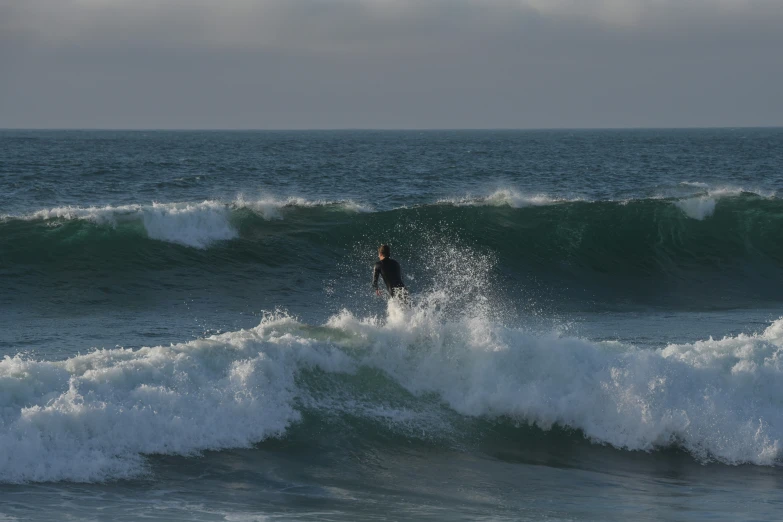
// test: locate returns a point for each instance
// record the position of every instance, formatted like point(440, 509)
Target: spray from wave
point(507, 197)
point(697, 208)
point(274, 208)
point(701, 204)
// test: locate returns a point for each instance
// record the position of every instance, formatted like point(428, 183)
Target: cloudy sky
point(282, 64)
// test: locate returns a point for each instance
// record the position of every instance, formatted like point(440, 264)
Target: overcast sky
point(312, 64)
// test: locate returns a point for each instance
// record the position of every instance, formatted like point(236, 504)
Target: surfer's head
point(384, 251)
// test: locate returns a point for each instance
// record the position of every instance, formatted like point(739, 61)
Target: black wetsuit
point(392, 275)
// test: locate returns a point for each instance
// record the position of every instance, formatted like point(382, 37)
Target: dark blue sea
point(188, 328)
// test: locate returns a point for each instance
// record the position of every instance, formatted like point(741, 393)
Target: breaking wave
point(95, 417)
point(196, 225)
point(722, 251)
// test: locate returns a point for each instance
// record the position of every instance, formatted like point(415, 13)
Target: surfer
point(392, 275)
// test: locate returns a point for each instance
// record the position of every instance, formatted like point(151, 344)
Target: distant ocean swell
point(731, 241)
point(95, 416)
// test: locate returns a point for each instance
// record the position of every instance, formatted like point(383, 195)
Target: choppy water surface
point(189, 332)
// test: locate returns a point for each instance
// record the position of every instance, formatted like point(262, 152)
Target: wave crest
point(507, 197)
point(197, 225)
point(718, 399)
point(95, 416)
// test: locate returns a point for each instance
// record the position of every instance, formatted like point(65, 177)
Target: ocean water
point(188, 330)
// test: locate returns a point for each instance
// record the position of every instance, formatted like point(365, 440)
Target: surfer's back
point(391, 272)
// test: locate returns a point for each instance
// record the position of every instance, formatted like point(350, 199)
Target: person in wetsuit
point(390, 270)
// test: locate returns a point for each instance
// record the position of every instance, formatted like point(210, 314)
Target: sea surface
point(188, 331)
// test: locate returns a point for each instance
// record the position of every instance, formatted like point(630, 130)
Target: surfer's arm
point(376, 271)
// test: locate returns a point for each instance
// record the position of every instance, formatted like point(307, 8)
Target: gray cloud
point(390, 63)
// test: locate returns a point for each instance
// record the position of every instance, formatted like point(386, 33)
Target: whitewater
point(93, 417)
point(188, 332)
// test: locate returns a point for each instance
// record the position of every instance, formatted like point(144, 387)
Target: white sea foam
point(718, 190)
point(191, 224)
point(718, 399)
point(95, 416)
point(506, 197)
point(697, 184)
point(272, 208)
point(699, 205)
point(92, 417)
point(697, 208)
point(702, 206)
point(196, 225)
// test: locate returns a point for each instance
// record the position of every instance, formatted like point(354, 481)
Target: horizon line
point(380, 129)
